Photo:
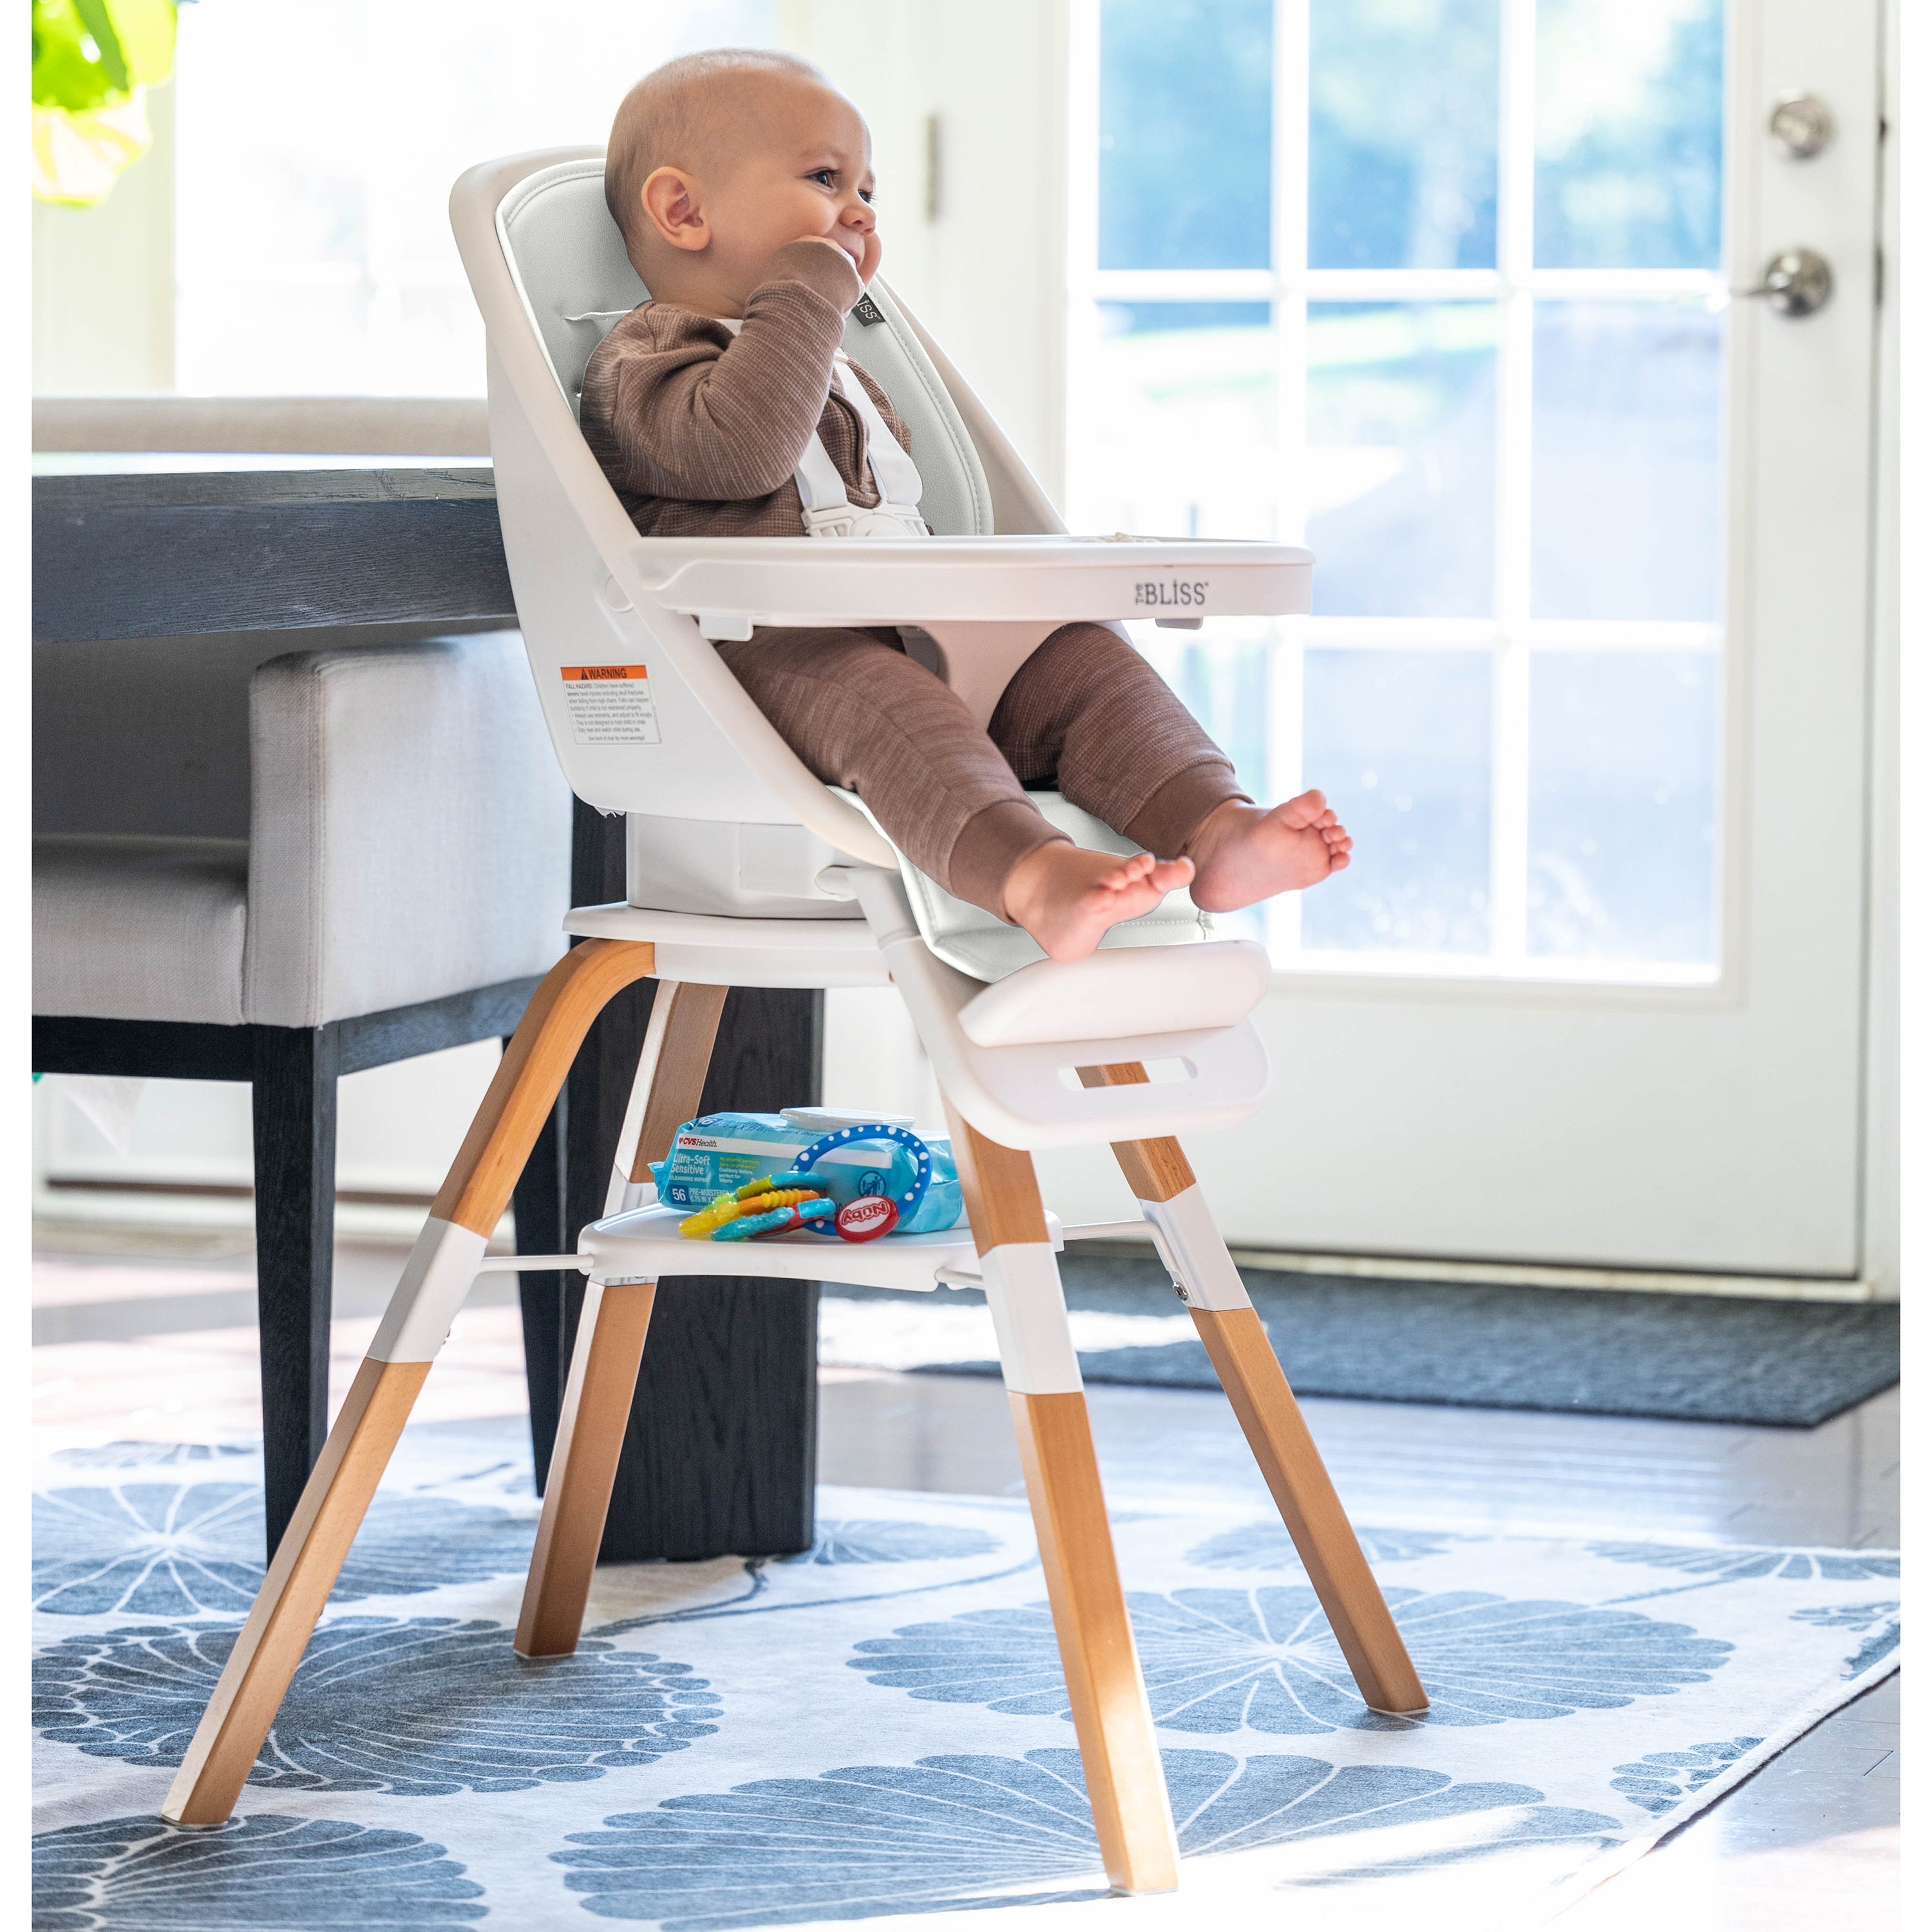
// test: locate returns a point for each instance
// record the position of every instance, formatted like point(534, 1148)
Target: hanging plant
point(94, 61)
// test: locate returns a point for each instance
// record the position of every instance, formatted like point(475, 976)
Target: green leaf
point(66, 74)
point(88, 54)
point(95, 17)
point(146, 29)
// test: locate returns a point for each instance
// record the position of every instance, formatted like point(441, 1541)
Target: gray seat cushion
point(140, 928)
point(410, 829)
point(973, 941)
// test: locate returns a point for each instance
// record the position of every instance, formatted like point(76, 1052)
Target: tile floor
point(150, 1335)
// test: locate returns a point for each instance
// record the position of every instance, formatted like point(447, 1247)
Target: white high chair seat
point(999, 574)
point(1047, 1054)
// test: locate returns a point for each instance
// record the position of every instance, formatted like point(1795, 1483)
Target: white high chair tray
point(972, 579)
point(645, 1243)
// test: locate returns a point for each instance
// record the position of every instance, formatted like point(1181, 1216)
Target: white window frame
point(1511, 635)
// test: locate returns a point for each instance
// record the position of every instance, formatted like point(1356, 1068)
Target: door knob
point(1800, 126)
point(1796, 282)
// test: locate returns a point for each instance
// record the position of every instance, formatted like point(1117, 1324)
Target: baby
point(742, 182)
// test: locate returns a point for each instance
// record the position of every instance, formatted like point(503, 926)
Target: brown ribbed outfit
point(699, 431)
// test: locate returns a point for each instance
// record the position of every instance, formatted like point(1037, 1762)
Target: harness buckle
point(847, 520)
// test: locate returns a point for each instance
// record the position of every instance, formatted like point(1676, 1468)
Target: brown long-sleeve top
point(700, 430)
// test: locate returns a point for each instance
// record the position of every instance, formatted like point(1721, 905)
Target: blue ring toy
point(906, 1203)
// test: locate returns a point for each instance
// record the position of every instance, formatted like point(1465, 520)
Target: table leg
point(292, 1099)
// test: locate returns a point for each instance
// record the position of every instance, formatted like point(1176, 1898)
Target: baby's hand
point(866, 261)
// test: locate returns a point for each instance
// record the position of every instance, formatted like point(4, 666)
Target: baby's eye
point(825, 177)
point(865, 195)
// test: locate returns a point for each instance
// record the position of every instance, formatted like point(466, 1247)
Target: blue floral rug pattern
point(949, 1831)
point(136, 1875)
point(421, 1706)
point(1265, 1660)
point(878, 1727)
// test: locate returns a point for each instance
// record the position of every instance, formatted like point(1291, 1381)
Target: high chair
point(745, 870)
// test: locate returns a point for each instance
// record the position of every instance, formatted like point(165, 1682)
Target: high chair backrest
point(548, 265)
point(568, 257)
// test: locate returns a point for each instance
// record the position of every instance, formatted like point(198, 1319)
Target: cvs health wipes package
point(718, 1154)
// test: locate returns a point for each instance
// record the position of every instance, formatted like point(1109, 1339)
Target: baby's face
point(808, 173)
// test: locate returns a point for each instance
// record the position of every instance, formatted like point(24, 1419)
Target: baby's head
point(718, 160)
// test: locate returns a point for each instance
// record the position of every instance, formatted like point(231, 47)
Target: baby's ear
point(669, 200)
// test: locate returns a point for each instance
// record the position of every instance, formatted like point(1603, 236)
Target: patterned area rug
point(877, 1729)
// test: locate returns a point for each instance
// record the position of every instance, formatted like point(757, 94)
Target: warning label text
point(610, 704)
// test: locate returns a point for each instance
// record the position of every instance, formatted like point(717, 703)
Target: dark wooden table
point(719, 1455)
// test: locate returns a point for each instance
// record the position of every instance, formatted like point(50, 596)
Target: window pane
point(1186, 98)
point(1630, 117)
point(1402, 458)
point(1401, 133)
point(1173, 429)
point(1399, 741)
point(1221, 676)
point(1623, 804)
point(1626, 514)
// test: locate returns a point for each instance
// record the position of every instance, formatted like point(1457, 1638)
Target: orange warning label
point(609, 704)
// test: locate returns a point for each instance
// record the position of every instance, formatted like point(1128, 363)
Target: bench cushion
point(140, 928)
point(411, 832)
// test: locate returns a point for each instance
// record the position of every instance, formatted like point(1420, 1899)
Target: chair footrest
point(644, 1245)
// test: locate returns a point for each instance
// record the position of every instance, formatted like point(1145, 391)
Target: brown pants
point(1086, 712)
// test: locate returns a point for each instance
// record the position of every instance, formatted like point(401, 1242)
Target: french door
point(1450, 289)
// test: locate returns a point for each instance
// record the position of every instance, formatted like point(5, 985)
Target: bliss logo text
point(1175, 594)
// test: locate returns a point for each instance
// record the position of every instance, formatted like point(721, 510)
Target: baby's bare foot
point(1244, 852)
point(1066, 897)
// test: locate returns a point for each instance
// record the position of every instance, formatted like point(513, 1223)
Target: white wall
point(986, 273)
point(104, 279)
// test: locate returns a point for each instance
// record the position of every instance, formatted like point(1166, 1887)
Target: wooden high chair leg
point(440, 1270)
point(611, 1337)
point(1125, 1783)
point(1237, 1345)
